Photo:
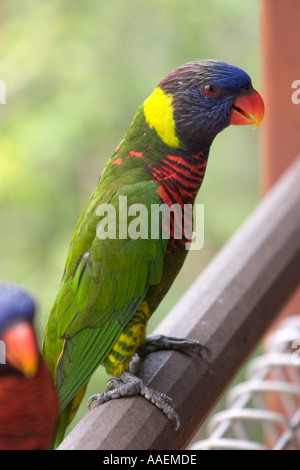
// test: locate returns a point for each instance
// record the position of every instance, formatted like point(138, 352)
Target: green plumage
point(104, 280)
point(111, 286)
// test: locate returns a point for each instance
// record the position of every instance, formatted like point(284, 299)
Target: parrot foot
point(159, 342)
point(128, 384)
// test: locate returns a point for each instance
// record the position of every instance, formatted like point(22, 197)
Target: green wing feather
point(103, 284)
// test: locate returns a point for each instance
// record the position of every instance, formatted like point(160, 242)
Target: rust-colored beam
point(228, 309)
point(280, 36)
point(280, 39)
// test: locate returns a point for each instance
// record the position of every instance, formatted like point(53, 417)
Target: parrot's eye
point(248, 88)
point(210, 89)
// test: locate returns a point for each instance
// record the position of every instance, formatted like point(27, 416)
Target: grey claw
point(90, 401)
point(159, 342)
point(128, 384)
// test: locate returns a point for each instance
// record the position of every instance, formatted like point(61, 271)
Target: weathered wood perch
point(228, 309)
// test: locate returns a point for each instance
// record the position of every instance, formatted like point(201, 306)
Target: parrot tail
point(67, 415)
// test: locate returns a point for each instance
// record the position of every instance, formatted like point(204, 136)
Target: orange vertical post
point(280, 40)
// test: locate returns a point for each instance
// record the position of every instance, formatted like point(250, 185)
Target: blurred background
point(75, 74)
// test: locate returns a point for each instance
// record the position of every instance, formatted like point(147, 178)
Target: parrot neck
point(178, 171)
point(180, 178)
point(179, 181)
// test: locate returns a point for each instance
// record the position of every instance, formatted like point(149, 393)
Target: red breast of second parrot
point(29, 418)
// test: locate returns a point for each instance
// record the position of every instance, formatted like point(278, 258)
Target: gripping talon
point(128, 384)
point(91, 400)
point(163, 402)
point(158, 342)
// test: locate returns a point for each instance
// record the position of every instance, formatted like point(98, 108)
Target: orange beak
point(248, 109)
point(21, 348)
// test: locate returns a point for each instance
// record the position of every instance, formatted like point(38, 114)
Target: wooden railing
point(228, 309)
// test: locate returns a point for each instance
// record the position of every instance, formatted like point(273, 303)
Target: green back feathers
point(105, 280)
point(103, 284)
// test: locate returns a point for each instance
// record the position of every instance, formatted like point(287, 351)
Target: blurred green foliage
point(75, 74)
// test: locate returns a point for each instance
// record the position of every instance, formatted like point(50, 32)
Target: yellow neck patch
point(158, 110)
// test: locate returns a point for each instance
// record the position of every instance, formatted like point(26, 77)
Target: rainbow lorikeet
point(112, 281)
point(29, 405)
